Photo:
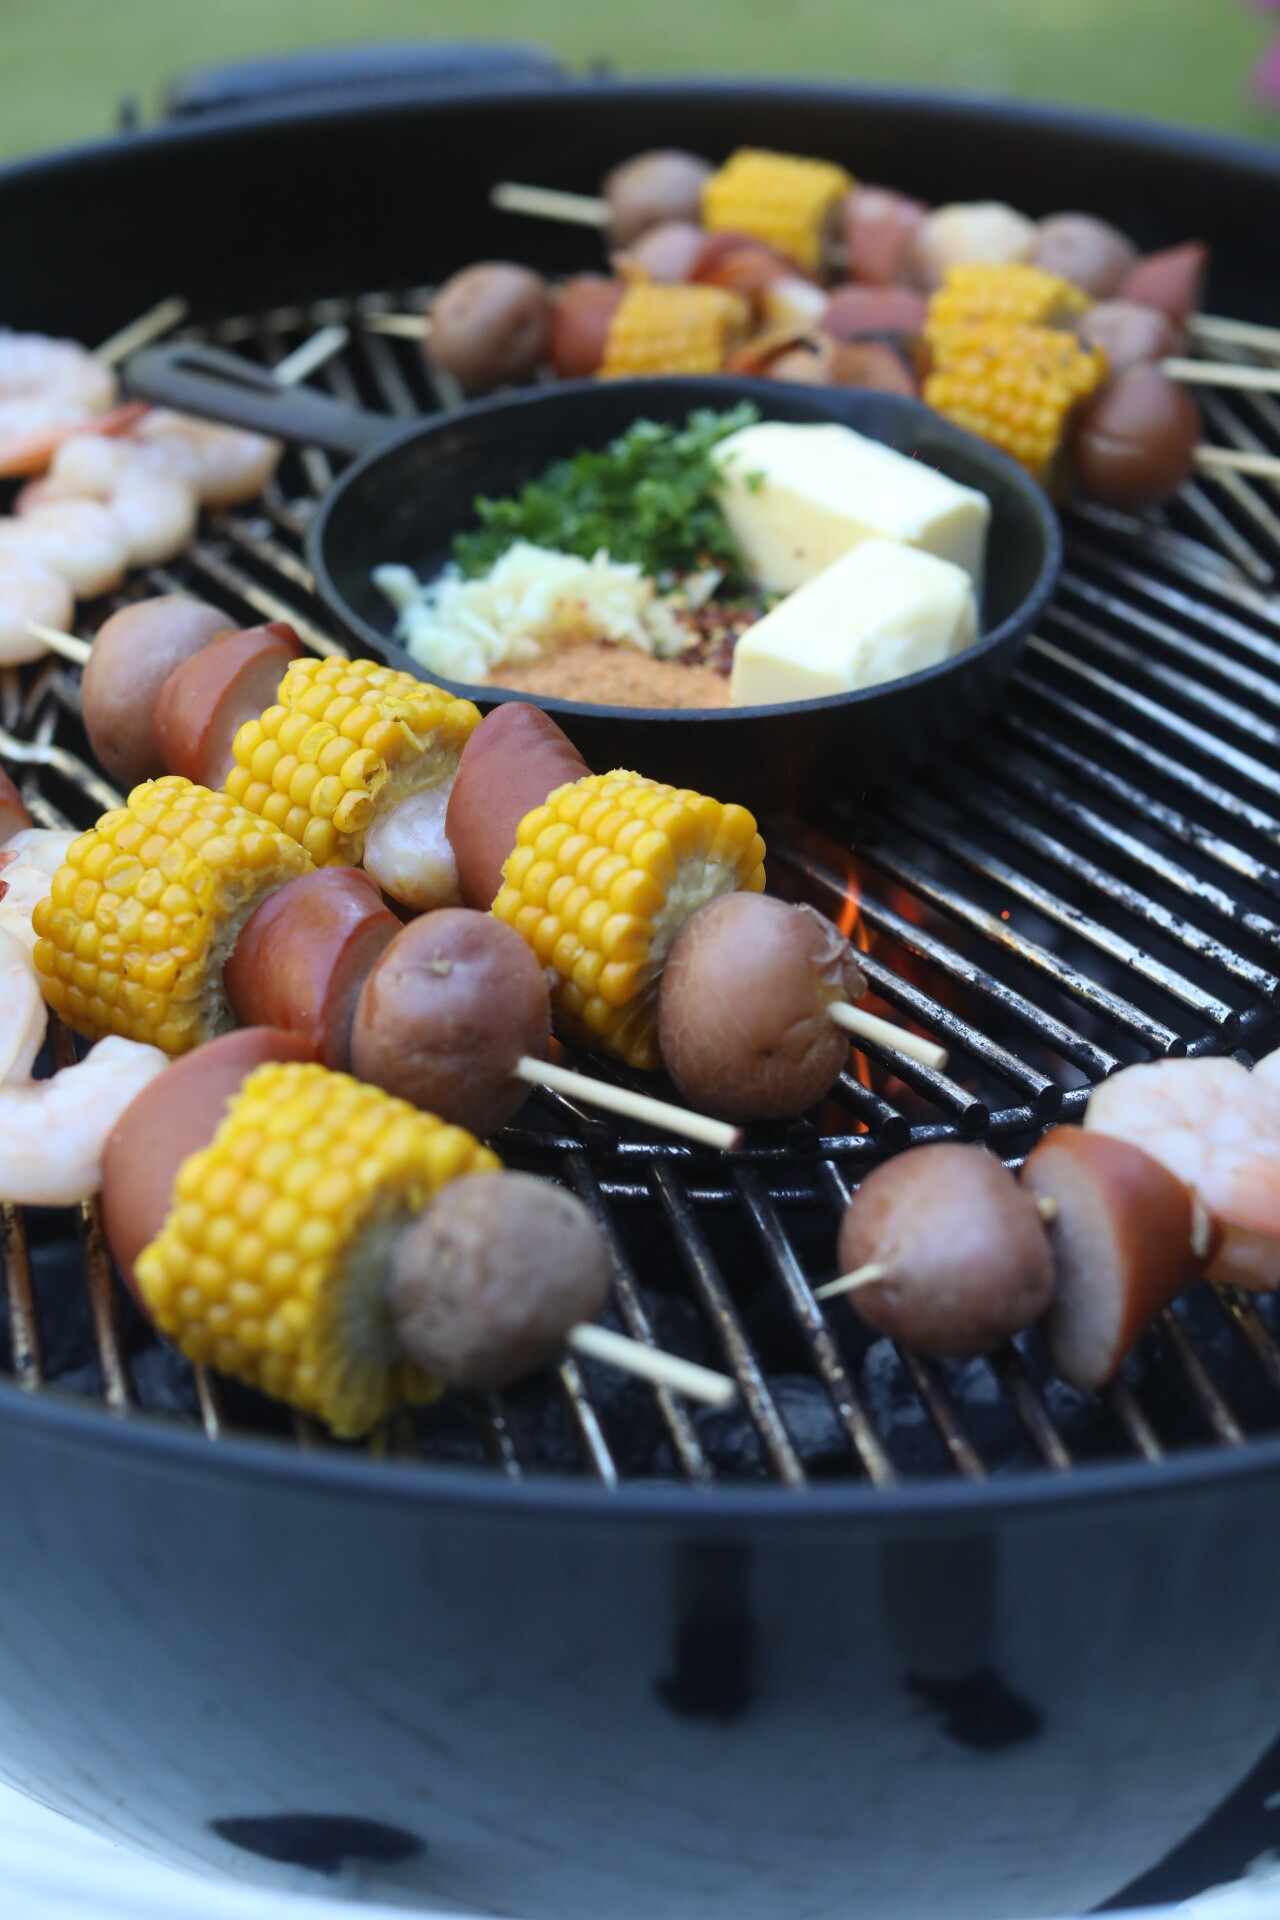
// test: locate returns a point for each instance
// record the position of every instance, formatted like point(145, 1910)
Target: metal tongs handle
point(220, 386)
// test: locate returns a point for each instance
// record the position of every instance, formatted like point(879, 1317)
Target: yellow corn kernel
point(632, 859)
point(659, 329)
point(777, 197)
point(1016, 295)
point(346, 741)
point(324, 1171)
point(140, 952)
point(1015, 386)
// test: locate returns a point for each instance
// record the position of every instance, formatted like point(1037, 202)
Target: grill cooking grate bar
point(1091, 880)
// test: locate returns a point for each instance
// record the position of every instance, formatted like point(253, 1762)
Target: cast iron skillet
point(412, 491)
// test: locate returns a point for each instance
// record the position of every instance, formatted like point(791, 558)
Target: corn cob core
point(603, 876)
point(1015, 386)
point(658, 329)
point(1016, 295)
point(777, 197)
point(148, 904)
point(272, 1264)
point(346, 741)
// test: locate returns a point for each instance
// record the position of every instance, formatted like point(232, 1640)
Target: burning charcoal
point(733, 1445)
point(897, 1413)
point(164, 1382)
point(62, 1305)
point(542, 1426)
point(449, 1431)
point(810, 1420)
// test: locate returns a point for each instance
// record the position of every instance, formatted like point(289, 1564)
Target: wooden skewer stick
point(549, 203)
point(1234, 333)
point(69, 645)
point(1264, 466)
point(651, 1363)
point(303, 361)
point(401, 326)
point(149, 326)
point(869, 1026)
point(1220, 373)
point(850, 1282)
point(636, 1106)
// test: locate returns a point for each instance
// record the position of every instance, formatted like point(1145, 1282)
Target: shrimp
point(46, 385)
point(1217, 1127)
point(80, 539)
point(28, 863)
point(407, 853)
point(29, 590)
point(156, 511)
point(28, 448)
point(224, 465)
point(53, 1132)
point(23, 1014)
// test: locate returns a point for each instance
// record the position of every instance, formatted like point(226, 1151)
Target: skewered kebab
point(950, 1254)
point(341, 1250)
point(148, 931)
point(351, 760)
point(609, 877)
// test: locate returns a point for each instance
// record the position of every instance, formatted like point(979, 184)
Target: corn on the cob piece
point(603, 876)
point(1014, 295)
point(659, 329)
point(149, 903)
point(346, 741)
point(272, 1263)
point(1014, 386)
point(777, 197)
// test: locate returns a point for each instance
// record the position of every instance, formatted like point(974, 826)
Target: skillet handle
point(221, 386)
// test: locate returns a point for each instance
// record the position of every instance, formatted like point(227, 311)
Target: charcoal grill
point(948, 1632)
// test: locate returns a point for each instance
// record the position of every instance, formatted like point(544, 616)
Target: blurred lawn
point(65, 64)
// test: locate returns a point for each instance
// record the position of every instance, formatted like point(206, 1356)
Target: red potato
point(878, 228)
point(853, 312)
point(13, 815)
point(451, 1007)
point(205, 701)
point(1171, 281)
point(304, 955)
point(513, 760)
point(1135, 440)
point(1092, 254)
point(667, 253)
point(490, 325)
point(1127, 1237)
point(742, 1010)
point(133, 655)
point(175, 1115)
point(1130, 335)
point(963, 1251)
point(580, 322)
point(651, 188)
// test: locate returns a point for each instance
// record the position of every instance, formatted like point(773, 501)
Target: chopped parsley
point(648, 497)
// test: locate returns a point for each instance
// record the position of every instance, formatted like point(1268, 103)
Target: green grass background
point(65, 64)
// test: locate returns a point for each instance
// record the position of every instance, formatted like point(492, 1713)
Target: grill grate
point(1093, 878)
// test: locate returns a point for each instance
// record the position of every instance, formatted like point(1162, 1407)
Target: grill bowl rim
point(146, 1439)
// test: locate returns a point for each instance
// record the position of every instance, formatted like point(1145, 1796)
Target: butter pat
point(882, 611)
point(796, 498)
